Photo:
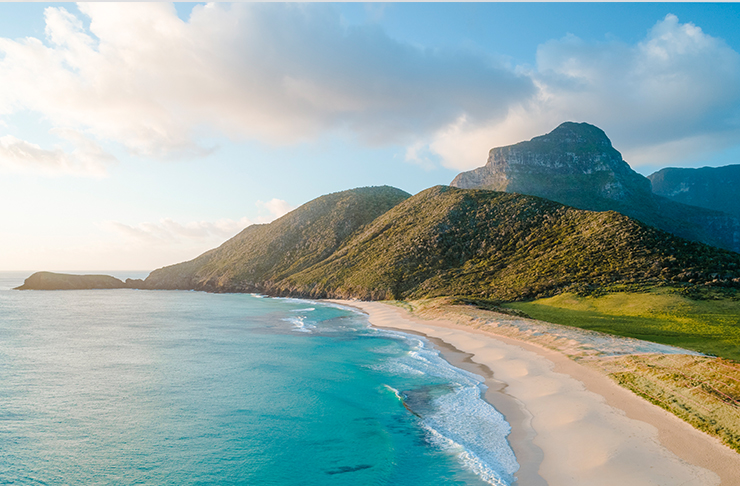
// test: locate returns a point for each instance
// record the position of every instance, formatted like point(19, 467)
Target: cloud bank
point(142, 77)
point(673, 96)
point(139, 76)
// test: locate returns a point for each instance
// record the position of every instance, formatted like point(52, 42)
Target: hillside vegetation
point(270, 252)
point(379, 243)
point(508, 247)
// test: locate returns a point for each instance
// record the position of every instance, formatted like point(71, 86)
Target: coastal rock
point(63, 281)
point(134, 283)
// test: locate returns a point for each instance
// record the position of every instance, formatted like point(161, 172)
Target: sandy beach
point(572, 425)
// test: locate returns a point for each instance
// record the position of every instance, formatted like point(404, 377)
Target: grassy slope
point(703, 391)
point(485, 244)
point(661, 315)
point(264, 253)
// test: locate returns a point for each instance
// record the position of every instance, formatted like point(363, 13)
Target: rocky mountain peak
point(577, 165)
point(573, 162)
point(575, 136)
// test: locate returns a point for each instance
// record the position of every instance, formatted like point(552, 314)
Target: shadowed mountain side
point(709, 187)
point(270, 252)
point(449, 241)
point(575, 164)
point(63, 281)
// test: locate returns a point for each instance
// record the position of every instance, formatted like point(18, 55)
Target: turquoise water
point(159, 387)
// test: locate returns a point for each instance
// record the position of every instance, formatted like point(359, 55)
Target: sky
point(138, 135)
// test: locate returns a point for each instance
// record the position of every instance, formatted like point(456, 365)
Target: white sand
point(591, 431)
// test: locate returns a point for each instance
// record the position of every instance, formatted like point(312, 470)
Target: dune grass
point(703, 391)
point(660, 315)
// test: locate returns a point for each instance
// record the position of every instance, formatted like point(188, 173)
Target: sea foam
point(455, 416)
point(300, 324)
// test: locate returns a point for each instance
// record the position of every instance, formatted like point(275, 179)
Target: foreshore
point(572, 425)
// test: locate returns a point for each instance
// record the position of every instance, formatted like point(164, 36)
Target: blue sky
point(139, 135)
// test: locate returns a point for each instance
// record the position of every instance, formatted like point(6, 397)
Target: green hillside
point(379, 243)
point(508, 247)
point(264, 253)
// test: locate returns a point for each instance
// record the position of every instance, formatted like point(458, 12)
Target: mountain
point(708, 187)
point(449, 241)
point(261, 254)
point(576, 161)
point(577, 165)
point(63, 281)
point(378, 243)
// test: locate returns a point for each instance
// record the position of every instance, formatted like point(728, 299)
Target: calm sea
point(180, 388)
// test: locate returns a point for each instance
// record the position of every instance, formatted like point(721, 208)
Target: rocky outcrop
point(63, 281)
point(576, 161)
point(709, 187)
point(577, 165)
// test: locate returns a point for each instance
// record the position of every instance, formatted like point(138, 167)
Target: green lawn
point(661, 316)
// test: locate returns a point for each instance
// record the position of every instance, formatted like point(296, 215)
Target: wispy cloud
point(87, 158)
point(168, 231)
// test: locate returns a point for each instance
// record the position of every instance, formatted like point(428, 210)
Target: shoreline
point(571, 425)
point(528, 455)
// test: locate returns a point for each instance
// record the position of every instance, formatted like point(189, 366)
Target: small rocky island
point(64, 281)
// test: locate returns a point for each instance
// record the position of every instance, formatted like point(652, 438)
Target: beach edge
point(684, 451)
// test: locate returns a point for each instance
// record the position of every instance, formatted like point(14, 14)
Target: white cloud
point(144, 78)
point(168, 231)
point(87, 158)
point(275, 207)
point(672, 97)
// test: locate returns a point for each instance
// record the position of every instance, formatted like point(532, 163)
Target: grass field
point(661, 315)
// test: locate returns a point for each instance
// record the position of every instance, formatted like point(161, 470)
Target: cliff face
point(575, 164)
point(708, 187)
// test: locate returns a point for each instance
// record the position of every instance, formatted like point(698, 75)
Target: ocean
point(179, 388)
